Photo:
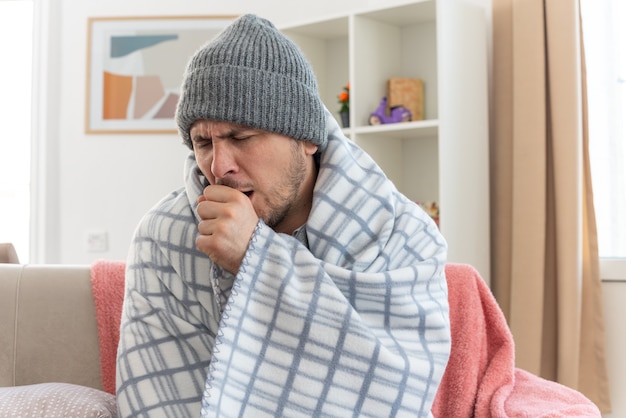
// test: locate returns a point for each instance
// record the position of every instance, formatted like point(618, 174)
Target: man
point(288, 277)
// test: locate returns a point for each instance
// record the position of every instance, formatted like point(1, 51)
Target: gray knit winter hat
point(251, 74)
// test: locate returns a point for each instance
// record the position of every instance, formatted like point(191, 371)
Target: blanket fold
point(107, 282)
point(481, 379)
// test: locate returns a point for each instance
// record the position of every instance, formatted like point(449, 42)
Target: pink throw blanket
point(481, 379)
point(107, 282)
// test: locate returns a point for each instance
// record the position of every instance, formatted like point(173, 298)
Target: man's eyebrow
point(233, 132)
point(200, 138)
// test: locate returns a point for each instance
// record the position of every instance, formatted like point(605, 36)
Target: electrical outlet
point(97, 241)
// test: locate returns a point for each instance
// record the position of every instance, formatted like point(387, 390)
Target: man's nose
point(223, 159)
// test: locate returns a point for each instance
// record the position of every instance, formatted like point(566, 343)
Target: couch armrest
point(48, 330)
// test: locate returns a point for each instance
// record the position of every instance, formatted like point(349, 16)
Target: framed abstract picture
point(135, 68)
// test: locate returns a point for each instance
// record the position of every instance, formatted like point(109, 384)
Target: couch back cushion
point(48, 330)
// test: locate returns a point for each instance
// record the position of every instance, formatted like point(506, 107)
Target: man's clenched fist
point(228, 222)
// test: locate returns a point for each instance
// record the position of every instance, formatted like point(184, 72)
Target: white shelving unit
point(443, 158)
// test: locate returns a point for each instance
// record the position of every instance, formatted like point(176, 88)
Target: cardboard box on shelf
point(408, 92)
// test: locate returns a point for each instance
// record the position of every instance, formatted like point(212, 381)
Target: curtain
point(545, 272)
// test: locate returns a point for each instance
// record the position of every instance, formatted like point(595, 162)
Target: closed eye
point(202, 142)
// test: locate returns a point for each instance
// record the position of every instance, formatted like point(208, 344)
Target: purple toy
point(397, 114)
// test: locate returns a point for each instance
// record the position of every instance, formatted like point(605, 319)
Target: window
point(16, 26)
point(604, 35)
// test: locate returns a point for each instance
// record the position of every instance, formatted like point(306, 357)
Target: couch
point(59, 326)
point(7, 253)
point(49, 345)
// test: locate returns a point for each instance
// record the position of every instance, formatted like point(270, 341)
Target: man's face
point(276, 172)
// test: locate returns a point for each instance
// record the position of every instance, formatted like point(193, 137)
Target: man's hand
point(228, 222)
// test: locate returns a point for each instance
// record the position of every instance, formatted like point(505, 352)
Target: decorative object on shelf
point(396, 114)
point(344, 110)
point(408, 92)
point(345, 118)
point(432, 209)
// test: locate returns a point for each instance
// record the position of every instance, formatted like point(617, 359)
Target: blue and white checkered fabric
point(355, 325)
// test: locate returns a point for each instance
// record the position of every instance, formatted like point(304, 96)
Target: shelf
point(443, 158)
point(416, 129)
point(409, 14)
point(323, 29)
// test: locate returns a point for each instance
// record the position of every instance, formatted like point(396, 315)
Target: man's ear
point(309, 148)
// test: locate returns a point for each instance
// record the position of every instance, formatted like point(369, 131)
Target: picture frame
point(135, 66)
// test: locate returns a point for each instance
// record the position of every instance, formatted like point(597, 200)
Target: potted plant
point(344, 110)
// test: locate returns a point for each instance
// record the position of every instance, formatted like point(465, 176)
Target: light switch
point(97, 241)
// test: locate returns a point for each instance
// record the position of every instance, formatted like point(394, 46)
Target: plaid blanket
point(350, 321)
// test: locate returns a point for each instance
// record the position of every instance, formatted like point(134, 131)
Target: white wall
point(86, 183)
point(613, 272)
